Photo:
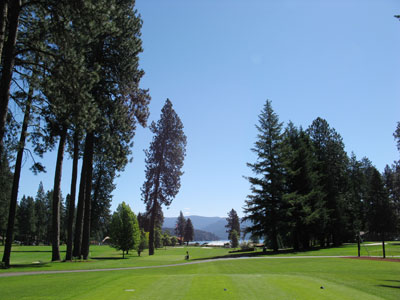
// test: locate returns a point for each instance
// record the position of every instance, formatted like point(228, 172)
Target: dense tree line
point(184, 229)
point(72, 68)
point(306, 191)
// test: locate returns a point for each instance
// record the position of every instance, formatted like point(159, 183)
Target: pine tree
point(180, 226)
point(189, 231)
point(41, 214)
point(301, 188)
point(380, 211)
point(26, 220)
point(391, 177)
point(263, 205)
point(233, 223)
point(331, 164)
point(164, 161)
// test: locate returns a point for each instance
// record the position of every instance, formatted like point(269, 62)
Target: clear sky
point(219, 60)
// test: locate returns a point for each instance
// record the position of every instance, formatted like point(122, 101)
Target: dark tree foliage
point(103, 186)
point(144, 221)
point(26, 220)
point(331, 163)
point(233, 223)
point(391, 177)
point(302, 192)
point(263, 206)
point(308, 192)
point(381, 218)
point(189, 231)
point(164, 161)
point(180, 226)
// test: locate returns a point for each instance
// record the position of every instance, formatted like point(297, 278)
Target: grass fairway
point(257, 278)
point(269, 277)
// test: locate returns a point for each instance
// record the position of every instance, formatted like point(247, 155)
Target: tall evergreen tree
point(41, 214)
point(103, 186)
point(233, 223)
point(301, 188)
point(380, 212)
point(180, 226)
point(331, 167)
point(26, 220)
point(189, 231)
point(164, 161)
point(391, 176)
point(263, 205)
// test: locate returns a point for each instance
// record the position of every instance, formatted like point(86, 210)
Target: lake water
point(215, 243)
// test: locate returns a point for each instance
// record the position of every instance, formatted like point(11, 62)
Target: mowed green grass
point(251, 278)
point(37, 258)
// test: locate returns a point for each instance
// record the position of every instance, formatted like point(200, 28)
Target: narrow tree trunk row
point(57, 197)
point(88, 191)
point(80, 208)
point(71, 205)
point(15, 186)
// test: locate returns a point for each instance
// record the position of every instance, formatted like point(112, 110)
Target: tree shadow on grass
point(30, 265)
point(261, 253)
point(268, 253)
point(108, 258)
point(390, 286)
point(34, 251)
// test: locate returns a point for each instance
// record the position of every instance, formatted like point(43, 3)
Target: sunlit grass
point(256, 278)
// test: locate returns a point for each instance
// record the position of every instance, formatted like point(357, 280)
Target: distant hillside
point(215, 225)
point(199, 235)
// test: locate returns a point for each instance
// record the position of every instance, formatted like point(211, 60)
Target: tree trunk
point(56, 197)
point(274, 239)
point(81, 208)
point(358, 245)
point(88, 198)
point(8, 57)
point(383, 246)
point(71, 206)
point(3, 22)
point(15, 186)
point(152, 225)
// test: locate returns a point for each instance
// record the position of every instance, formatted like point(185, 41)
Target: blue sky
point(218, 61)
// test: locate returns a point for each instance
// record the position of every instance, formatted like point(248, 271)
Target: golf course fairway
point(253, 278)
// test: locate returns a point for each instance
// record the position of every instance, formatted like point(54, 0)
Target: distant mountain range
point(214, 225)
